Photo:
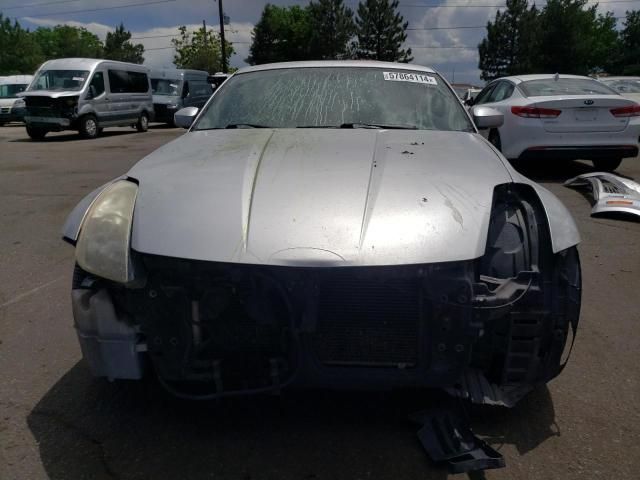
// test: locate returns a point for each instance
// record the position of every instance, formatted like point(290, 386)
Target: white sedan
point(562, 117)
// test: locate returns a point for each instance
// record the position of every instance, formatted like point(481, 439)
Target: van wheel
point(36, 133)
point(89, 127)
point(143, 123)
point(494, 138)
point(607, 164)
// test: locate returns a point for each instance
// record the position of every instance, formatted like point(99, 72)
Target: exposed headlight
point(71, 101)
point(103, 243)
point(19, 103)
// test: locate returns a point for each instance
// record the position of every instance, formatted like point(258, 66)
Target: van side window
point(97, 84)
point(185, 89)
point(200, 89)
point(122, 81)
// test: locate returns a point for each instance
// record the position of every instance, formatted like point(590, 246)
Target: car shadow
point(71, 136)
point(552, 171)
point(89, 428)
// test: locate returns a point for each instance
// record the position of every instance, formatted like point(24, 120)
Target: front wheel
point(494, 139)
point(607, 164)
point(36, 133)
point(143, 123)
point(89, 127)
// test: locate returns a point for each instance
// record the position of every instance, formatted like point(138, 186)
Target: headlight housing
point(19, 103)
point(103, 243)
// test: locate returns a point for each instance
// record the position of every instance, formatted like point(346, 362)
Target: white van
point(87, 95)
point(11, 106)
point(174, 89)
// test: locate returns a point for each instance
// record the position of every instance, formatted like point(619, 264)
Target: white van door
point(98, 97)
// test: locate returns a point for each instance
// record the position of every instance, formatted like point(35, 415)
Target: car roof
point(16, 79)
point(540, 76)
point(337, 63)
point(88, 63)
point(604, 79)
point(163, 72)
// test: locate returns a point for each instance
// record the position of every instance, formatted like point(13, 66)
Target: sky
point(153, 22)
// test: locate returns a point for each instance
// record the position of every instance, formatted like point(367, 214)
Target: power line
point(27, 5)
point(127, 5)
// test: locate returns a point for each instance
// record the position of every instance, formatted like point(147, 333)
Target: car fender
point(73, 223)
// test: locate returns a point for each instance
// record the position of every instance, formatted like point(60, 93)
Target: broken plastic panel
point(612, 193)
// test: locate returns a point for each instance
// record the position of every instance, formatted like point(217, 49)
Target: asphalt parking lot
point(58, 422)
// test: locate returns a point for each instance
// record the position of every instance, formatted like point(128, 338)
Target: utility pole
point(222, 45)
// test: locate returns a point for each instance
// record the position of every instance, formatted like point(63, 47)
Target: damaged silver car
point(327, 224)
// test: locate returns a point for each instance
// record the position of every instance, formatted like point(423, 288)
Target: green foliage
point(565, 36)
point(575, 39)
point(630, 44)
point(282, 34)
point(511, 39)
point(19, 54)
point(64, 41)
point(117, 46)
point(381, 31)
point(200, 50)
point(332, 28)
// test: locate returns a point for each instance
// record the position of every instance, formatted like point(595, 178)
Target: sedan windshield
point(631, 85)
point(11, 90)
point(335, 97)
point(59, 80)
point(163, 86)
point(564, 86)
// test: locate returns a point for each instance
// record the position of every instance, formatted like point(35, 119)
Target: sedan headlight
point(103, 243)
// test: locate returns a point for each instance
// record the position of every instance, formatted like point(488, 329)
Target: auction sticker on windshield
point(409, 77)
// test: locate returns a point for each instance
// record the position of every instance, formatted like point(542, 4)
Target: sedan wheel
point(36, 133)
point(607, 164)
point(494, 138)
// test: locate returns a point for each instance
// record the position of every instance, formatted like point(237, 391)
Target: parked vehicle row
point(562, 117)
point(174, 89)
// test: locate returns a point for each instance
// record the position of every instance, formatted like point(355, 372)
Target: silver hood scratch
point(317, 197)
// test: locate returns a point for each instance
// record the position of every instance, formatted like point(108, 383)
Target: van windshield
point(60, 80)
point(164, 86)
point(11, 90)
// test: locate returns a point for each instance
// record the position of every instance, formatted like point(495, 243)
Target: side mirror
point(185, 116)
point(486, 117)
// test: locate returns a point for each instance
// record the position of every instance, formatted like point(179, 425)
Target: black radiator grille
point(368, 322)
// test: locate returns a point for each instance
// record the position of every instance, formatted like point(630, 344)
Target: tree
point(117, 46)
point(630, 44)
point(510, 47)
point(575, 40)
point(200, 50)
point(332, 28)
point(66, 41)
point(22, 54)
point(282, 34)
point(381, 31)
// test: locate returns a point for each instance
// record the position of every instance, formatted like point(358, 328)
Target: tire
point(607, 164)
point(494, 139)
point(143, 122)
point(89, 127)
point(1, 124)
point(36, 133)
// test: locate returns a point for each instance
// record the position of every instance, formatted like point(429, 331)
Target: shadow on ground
point(89, 428)
point(74, 136)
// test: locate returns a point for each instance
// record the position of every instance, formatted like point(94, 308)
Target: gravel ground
point(57, 422)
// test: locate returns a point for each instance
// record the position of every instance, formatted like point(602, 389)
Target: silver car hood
point(312, 197)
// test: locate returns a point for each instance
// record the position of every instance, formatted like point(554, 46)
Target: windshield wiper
point(246, 125)
point(388, 126)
